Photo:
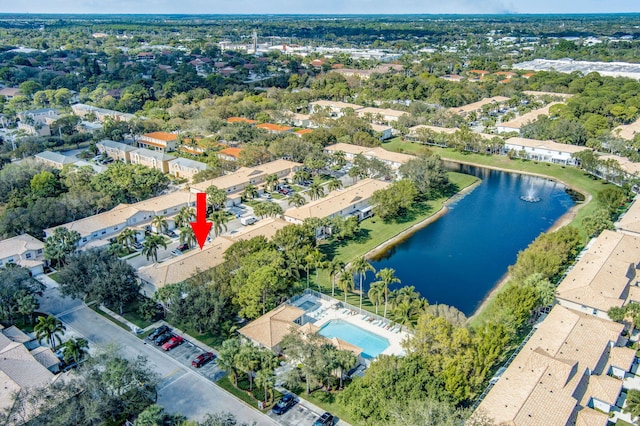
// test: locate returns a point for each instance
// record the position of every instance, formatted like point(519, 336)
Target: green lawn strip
point(244, 395)
point(131, 314)
point(96, 308)
point(54, 276)
point(214, 341)
point(572, 176)
point(326, 401)
point(621, 422)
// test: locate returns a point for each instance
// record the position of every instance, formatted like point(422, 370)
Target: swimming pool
point(370, 343)
point(307, 305)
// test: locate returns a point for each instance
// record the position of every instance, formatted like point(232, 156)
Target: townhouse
point(545, 151)
point(392, 159)
point(23, 250)
point(153, 159)
point(335, 108)
point(101, 114)
point(53, 159)
point(516, 124)
point(184, 168)
point(116, 150)
point(352, 201)
point(159, 141)
point(380, 115)
point(494, 102)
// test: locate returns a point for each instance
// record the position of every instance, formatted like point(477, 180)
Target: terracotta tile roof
point(274, 127)
point(630, 221)
point(303, 132)
point(240, 120)
point(163, 136)
point(269, 329)
point(231, 152)
point(590, 417)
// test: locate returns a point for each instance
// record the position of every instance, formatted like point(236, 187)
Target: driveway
point(182, 389)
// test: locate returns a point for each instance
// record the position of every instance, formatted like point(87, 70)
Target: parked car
point(137, 246)
point(203, 359)
point(158, 331)
point(162, 339)
point(171, 234)
point(325, 419)
point(172, 343)
point(281, 407)
point(176, 252)
point(183, 247)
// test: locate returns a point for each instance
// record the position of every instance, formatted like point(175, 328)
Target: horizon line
point(506, 13)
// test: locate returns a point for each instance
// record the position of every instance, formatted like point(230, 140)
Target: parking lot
point(187, 352)
point(297, 415)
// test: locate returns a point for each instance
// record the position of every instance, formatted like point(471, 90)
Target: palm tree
point(187, 236)
point(247, 360)
point(219, 220)
point(316, 260)
point(376, 294)
point(160, 223)
point(386, 278)
point(271, 181)
point(49, 328)
point(266, 380)
point(250, 192)
point(316, 190)
point(334, 184)
point(301, 175)
point(184, 216)
point(339, 158)
point(633, 402)
point(345, 283)
point(127, 237)
point(360, 266)
point(297, 200)
point(151, 244)
point(336, 267)
point(227, 358)
point(345, 361)
point(260, 209)
point(74, 349)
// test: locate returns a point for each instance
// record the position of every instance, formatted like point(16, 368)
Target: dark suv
point(163, 338)
point(325, 419)
point(158, 331)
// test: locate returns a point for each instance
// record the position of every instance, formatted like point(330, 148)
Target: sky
point(317, 6)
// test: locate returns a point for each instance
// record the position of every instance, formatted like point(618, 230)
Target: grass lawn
point(326, 401)
point(54, 276)
point(621, 422)
point(131, 314)
point(96, 308)
point(574, 177)
point(243, 394)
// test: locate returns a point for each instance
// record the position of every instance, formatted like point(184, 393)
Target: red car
point(172, 343)
point(202, 359)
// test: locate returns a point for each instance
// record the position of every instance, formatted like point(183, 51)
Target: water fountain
point(530, 196)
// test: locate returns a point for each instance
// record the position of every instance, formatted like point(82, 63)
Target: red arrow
point(201, 227)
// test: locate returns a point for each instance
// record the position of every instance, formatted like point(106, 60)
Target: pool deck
point(326, 311)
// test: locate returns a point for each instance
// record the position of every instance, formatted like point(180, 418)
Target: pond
point(459, 258)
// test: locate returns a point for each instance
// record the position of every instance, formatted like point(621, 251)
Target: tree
point(266, 380)
point(336, 267)
point(334, 184)
point(316, 189)
point(394, 200)
point(345, 283)
point(184, 216)
point(597, 222)
point(74, 349)
point(160, 224)
point(216, 197)
point(227, 356)
point(271, 181)
point(151, 244)
point(633, 402)
point(427, 174)
point(219, 220)
point(248, 360)
point(250, 192)
point(386, 278)
point(376, 294)
point(127, 237)
point(297, 200)
point(315, 259)
point(49, 328)
point(27, 304)
point(187, 236)
point(360, 266)
point(60, 245)
point(301, 175)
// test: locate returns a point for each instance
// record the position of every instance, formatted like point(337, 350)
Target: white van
point(249, 220)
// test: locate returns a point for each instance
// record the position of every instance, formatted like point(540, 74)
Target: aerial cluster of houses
point(577, 364)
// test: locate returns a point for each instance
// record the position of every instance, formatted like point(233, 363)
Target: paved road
point(182, 390)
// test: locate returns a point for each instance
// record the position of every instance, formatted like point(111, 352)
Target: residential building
point(101, 114)
point(232, 120)
point(384, 132)
point(153, 159)
point(516, 124)
point(181, 268)
point(10, 92)
point(423, 133)
point(539, 94)
point(545, 151)
point(350, 151)
point(630, 221)
point(380, 115)
point(300, 133)
point(274, 128)
point(53, 159)
point(335, 108)
point(23, 250)
point(230, 154)
point(21, 369)
point(566, 374)
point(185, 168)
point(627, 131)
point(159, 141)
point(269, 330)
point(301, 120)
point(116, 150)
point(392, 159)
point(42, 115)
point(604, 277)
point(98, 228)
point(495, 102)
point(34, 129)
point(235, 182)
point(352, 201)
point(628, 167)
